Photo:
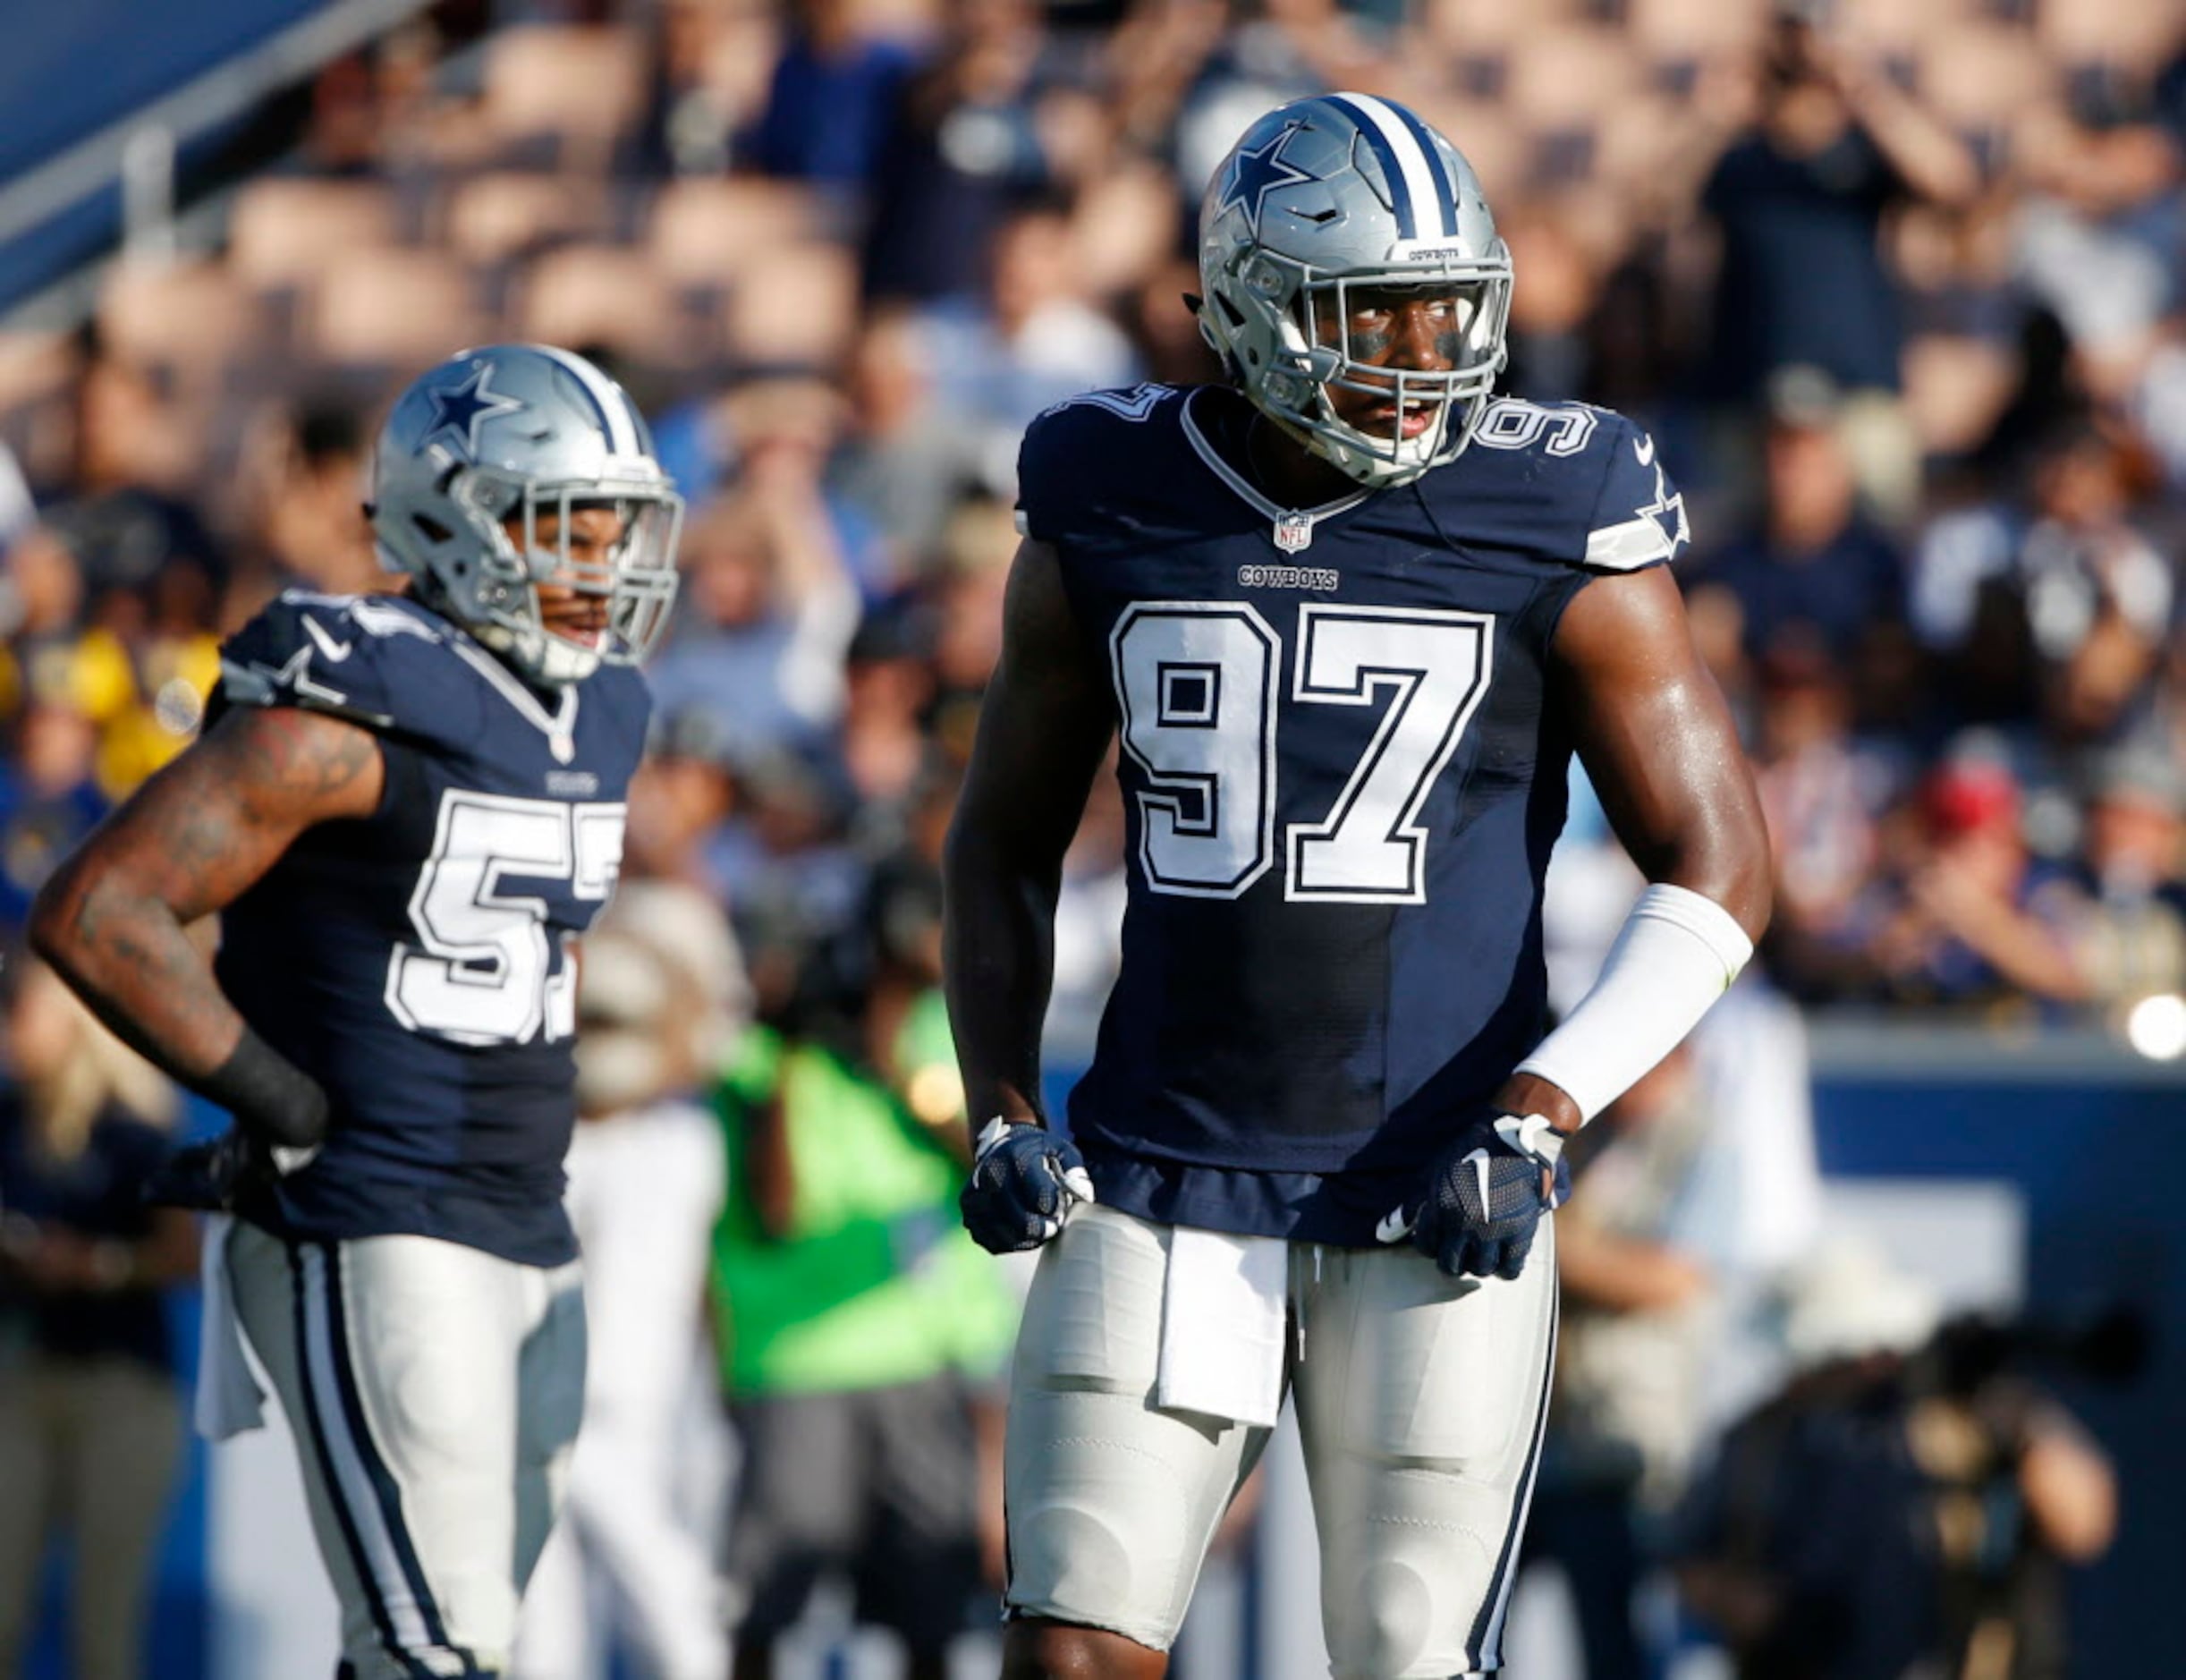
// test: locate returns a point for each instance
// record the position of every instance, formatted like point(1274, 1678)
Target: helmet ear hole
point(431, 528)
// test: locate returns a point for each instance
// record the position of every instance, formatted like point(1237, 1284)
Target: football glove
point(1484, 1199)
point(214, 1176)
point(1025, 1180)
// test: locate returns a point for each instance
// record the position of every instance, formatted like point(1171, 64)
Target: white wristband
point(1679, 951)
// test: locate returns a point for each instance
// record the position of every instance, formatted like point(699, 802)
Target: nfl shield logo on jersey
point(1294, 532)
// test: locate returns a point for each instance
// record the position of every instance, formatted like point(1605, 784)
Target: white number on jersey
point(480, 971)
point(1196, 684)
point(1512, 422)
point(1433, 666)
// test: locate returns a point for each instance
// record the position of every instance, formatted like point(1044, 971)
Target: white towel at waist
point(229, 1400)
point(1224, 1314)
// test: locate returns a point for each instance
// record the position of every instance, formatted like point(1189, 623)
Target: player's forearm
point(128, 956)
point(998, 959)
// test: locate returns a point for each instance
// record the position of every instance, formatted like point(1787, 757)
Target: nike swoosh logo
point(1643, 446)
point(335, 651)
point(1478, 1161)
point(1394, 1228)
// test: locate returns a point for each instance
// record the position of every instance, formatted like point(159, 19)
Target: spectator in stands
point(832, 97)
point(1963, 921)
point(44, 595)
point(311, 473)
point(904, 461)
point(1825, 791)
point(1551, 354)
point(788, 862)
point(2121, 906)
point(119, 511)
point(1798, 199)
point(889, 683)
point(690, 119)
point(1030, 340)
point(768, 606)
point(1815, 568)
point(49, 800)
point(2099, 231)
point(91, 1403)
point(965, 143)
point(2099, 599)
point(2049, 605)
point(681, 799)
point(982, 535)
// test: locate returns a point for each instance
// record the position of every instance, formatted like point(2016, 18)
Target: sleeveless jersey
point(1344, 771)
point(417, 962)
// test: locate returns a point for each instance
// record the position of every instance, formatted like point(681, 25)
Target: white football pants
point(1421, 1400)
point(435, 1393)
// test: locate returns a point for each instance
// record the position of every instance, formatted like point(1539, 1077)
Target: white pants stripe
point(1484, 1648)
point(368, 1503)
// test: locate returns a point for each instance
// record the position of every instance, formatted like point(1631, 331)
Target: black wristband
point(271, 1097)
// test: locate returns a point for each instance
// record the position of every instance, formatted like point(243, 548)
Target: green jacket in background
point(876, 1281)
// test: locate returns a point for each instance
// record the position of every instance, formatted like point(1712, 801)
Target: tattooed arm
point(115, 919)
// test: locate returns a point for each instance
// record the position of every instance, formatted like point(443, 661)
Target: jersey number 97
point(1196, 683)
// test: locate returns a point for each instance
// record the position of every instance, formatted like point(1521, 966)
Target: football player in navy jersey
point(406, 810)
point(1349, 616)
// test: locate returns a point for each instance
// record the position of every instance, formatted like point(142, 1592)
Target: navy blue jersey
point(417, 962)
point(1343, 770)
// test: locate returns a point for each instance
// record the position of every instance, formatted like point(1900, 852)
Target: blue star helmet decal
point(1256, 173)
point(459, 409)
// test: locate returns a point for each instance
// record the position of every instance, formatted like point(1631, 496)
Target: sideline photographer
point(1908, 1514)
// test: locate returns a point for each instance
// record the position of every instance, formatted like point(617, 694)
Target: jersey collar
point(558, 725)
point(1297, 521)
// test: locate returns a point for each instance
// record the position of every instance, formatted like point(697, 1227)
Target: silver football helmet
point(479, 469)
point(1322, 199)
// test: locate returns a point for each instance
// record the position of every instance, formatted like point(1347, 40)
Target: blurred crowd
point(1897, 288)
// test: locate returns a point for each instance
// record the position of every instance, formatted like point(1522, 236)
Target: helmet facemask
point(1322, 200)
point(516, 484)
point(1291, 343)
point(635, 575)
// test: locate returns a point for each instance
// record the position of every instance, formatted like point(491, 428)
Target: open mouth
point(587, 631)
point(1405, 421)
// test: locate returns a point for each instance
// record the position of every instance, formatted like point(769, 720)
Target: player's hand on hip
point(213, 1177)
point(1486, 1195)
point(1025, 1180)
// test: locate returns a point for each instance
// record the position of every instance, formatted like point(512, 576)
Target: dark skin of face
point(1395, 327)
